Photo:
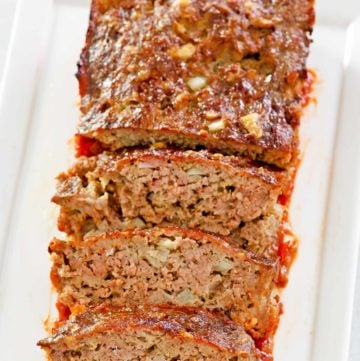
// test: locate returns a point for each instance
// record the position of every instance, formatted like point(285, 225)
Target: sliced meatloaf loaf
point(168, 266)
point(228, 75)
point(211, 192)
point(149, 334)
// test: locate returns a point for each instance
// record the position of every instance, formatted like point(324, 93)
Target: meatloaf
point(227, 75)
point(109, 333)
point(136, 188)
point(168, 266)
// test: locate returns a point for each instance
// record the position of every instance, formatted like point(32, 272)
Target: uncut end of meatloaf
point(211, 192)
point(169, 266)
point(150, 333)
point(230, 75)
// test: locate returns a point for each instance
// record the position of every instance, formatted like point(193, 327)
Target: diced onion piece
point(93, 344)
point(180, 28)
point(136, 223)
point(195, 171)
point(278, 209)
point(253, 322)
point(169, 244)
point(157, 257)
point(104, 182)
point(186, 297)
point(101, 202)
point(224, 266)
point(181, 100)
point(162, 254)
point(130, 49)
point(217, 126)
point(268, 78)
point(181, 3)
point(197, 82)
point(110, 252)
point(248, 5)
point(211, 115)
point(143, 74)
point(183, 53)
point(154, 261)
point(251, 124)
point(92, 188)
point(135, 14)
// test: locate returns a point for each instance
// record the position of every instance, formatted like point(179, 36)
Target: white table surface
point(7, 10)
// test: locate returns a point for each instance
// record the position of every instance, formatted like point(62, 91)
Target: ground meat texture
point(227, 75)
point(168, 266)
point(151, 334)
point(137, 188)
point(261, 236)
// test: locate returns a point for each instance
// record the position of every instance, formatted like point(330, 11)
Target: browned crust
point(255, 26)
point(188, 324)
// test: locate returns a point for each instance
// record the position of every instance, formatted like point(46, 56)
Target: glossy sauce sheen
point(141, 61)
point(199, 326)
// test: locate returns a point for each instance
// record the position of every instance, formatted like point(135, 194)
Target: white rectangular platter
point(38, 114)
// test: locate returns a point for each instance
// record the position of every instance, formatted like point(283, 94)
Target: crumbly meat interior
point(167, 266)
point(104, 193)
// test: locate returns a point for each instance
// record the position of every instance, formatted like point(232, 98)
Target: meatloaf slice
point(211, 192)
point(168, 266)
point(109, 333)
point(228, 75)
